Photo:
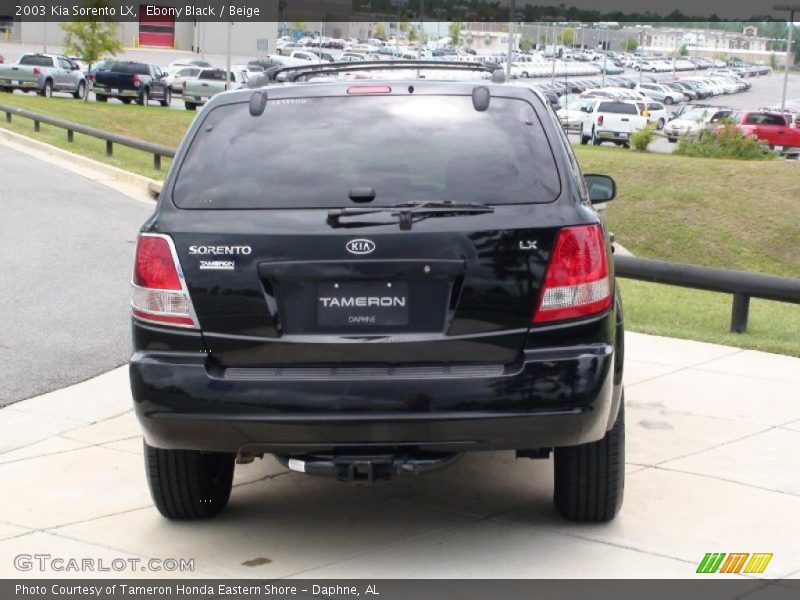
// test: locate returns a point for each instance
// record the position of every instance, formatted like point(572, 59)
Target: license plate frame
point(362, 304)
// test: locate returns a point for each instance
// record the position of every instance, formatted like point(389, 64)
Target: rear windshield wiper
point(407, 213)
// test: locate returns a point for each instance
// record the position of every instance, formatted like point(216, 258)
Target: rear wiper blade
point(409, 212)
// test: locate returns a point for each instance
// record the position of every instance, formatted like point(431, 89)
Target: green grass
point(152, 123)
point(722, 213)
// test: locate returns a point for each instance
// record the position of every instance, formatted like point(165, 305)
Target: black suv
point(370, 278)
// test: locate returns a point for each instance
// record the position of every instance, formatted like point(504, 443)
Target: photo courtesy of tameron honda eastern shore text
point(368, 278)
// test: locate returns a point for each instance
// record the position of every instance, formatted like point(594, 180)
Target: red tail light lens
point(91, 77)
point(600, 120)
point(136, 80)
point(159, 294)
point(577, 282)
point(36, 71)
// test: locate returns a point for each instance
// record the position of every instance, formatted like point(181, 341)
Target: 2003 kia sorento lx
point(371, 278)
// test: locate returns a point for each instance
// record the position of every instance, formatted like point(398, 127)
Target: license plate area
point(363, 304)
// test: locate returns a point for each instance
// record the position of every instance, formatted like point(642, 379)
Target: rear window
point(617, 107)
point(132, 68)
point(214, 75)
point(36, 61)
point(310, 152)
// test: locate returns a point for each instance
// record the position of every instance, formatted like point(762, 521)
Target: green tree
point(380, 31)
point(300, 26)
point(412, 34)
point(403, 26)
point(455, 33)
point(773, 61)
point(630, 44)
point(566, 37)
point(92, 40)
point(684, 50)
point(525, 44)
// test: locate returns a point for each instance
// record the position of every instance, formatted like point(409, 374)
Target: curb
point(150, 187)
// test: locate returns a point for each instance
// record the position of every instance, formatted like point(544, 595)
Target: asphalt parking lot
point(67, 245)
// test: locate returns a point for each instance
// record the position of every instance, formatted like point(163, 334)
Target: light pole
point(791, 8)
point(511, 15)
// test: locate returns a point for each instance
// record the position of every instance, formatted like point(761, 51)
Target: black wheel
point(80, 92)
point(661, 124)
point(626, 145)
point(126, 100)
point(672, 140)
point(590, 478)
point(187, 484)
point(167, 97)
point(144, 97)
point(47, 90)
point(101, 97)
point(190, 105)
point(7, 90)
point(668, 100)
point(596, 141)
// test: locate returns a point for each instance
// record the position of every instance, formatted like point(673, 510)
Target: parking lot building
point(247, 38)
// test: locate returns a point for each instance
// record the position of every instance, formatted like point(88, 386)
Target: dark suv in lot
point(371, 278)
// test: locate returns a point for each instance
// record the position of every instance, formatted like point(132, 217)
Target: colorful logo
point(719, 562)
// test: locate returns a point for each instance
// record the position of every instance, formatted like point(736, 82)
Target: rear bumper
point(617, 136)
point(553, 397)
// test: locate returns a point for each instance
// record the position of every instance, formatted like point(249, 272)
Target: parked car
point(611, 120)
point(289, 47)
point(570, 114)
point(43, 74)
point(683, 88)
point(661, 92)
point(655, 112)
point(361, 311)
point(192, 62)
point(694, 121)
point(130, 81)
point(175, 76)
point(209, 83)
point(773, 128)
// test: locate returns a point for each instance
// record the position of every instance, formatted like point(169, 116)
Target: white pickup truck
point(208, 83)
point(43, 74)
point(610, 120)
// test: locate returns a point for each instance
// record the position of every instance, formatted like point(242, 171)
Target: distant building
point(747, 46)
point(489, 42)
point(256, 38)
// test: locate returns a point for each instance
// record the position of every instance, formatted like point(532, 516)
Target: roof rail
point(301, 71)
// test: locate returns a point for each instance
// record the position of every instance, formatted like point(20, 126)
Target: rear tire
point(144, 97)
point(672, 140)
point(80, 92)
point(47, 90)
point(101, 98)
point(590, 478)
point(167, 97)
point(190, 105)
point(126, 100)
point(661, 124)
point(7, 90)
point(668, 100)
point(187, 484)
point(596, 141)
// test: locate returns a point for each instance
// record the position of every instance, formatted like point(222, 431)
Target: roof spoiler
point(315, 70)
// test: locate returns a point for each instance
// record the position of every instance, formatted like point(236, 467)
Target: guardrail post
point(740, 312)
point(109, 148)
point(8, 117)
point(36, 126)
point(157, 162)
point(70, 135)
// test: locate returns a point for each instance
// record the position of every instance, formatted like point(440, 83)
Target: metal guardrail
point(742, 284)
point(157, 150)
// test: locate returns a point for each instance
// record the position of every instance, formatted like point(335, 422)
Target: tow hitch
point(366, 469)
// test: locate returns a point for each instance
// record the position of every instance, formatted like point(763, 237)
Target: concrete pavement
point(712, 435)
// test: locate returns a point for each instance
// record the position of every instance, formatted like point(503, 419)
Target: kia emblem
point(360, 246)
